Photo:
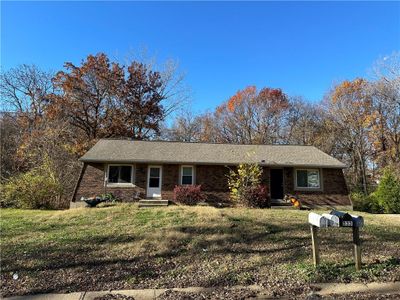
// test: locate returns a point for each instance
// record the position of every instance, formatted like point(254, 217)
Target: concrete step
point(280, 203)
point(282, 207)
point(152, 202)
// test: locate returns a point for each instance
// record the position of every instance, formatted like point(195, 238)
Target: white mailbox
point(332, 220)
point(317, 220)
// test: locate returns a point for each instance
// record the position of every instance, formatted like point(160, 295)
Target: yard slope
point(124, 247)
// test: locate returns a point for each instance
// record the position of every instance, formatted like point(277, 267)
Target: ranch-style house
point(135, 170)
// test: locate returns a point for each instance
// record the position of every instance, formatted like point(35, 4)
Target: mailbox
point(345, 219)
point(336, 219)
point(333, 220)
point(358, 221)
point(317, 220)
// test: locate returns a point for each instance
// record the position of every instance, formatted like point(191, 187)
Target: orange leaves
point(352, 100)
point(233, 102)
point(248, 93)
point(355, 89)
point(274, 100)
point(252, 115)
point(220, 109)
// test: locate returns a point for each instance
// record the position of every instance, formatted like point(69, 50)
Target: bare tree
point(186, 128)
point(177, 93)
point(385, 134)
point(24, 90)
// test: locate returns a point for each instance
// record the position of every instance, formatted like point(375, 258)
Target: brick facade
point(334, 188)
point(213, 179)
point(92, 183)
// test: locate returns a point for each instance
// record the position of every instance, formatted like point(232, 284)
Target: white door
point(154, 174)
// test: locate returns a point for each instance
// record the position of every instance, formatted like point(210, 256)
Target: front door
point(276, 184)
point(154, 174)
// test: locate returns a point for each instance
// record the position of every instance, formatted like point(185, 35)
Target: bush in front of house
point(36, 189)
point(188, 194)
point(257, 197)
point(244, 186)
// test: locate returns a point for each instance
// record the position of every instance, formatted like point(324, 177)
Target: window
point(120, 174)
point(154, 177)
point(309, 179)
point(187, 175)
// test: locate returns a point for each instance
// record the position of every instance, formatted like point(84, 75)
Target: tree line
point(357, 121)
point(51, 118)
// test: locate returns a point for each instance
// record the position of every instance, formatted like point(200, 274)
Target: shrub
point(367, 203)
point(188, 194)
point(244, 186)
point(109, 197)
point(256, 196)
point(239, 181)
point(388, 192)
point(37, 188)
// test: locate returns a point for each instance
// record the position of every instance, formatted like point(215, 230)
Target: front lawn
point(124, 247)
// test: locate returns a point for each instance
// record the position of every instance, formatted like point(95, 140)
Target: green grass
point(123, 246)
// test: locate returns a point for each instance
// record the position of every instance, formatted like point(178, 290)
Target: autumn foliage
point(188, 194)
point(251, 116)
point(60, 116)
point(104, 99)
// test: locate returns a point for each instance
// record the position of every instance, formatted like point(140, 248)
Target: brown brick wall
point(214, 182)
point(170, 178)
point(92, 183)
point(212, 178)
point(334, 188)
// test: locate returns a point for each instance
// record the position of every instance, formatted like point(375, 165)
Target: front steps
point(280, 204)
point(152, 202)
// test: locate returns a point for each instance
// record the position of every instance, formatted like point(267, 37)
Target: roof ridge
point(206, 143)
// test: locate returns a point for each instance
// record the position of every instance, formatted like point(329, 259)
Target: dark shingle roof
point(122, 151)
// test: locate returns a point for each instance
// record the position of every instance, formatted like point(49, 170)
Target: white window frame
point(301, 188)
point(120, 184)
point(181, 174)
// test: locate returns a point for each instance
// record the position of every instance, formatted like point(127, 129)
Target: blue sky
point(301, 47)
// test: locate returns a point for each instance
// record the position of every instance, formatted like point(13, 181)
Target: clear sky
point(301, 47)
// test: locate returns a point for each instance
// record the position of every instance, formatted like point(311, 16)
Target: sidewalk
point(323, 289)
point(139, 294)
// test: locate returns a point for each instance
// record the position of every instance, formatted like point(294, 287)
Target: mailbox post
point(357, 247)
point(316, 221)
point(315, 244)
point(336, 219)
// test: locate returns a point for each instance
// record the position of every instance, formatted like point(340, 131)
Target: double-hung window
point(308, 179)
point(187, 175)
point(120, 174)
